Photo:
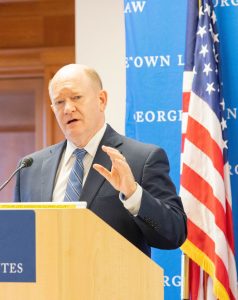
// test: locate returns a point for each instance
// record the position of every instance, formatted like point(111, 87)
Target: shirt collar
point(91, 146)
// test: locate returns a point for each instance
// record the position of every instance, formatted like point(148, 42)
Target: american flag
point(205, 183)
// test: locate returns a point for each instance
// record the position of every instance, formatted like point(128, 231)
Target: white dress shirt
point(67, 162)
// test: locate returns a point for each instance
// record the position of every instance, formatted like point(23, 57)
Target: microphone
point(26, 162)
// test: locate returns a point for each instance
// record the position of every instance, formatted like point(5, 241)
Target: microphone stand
point(6, 182)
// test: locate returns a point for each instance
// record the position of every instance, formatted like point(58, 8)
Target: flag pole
point(185, 277)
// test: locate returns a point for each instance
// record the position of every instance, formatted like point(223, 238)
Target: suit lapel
point(94, 180)
point(49, 169)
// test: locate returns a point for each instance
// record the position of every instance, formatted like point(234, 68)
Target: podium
point(80, 257)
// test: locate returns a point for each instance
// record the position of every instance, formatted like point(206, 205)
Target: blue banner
point(155, 46)
point(17, 246)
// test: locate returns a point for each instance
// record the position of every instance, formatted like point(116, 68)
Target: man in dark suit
point(125, 182)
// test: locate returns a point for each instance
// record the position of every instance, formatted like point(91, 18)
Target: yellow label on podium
point(43, 205)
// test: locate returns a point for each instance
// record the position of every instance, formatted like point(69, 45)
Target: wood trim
point(18, 1)
point(19, 128)
point(36, 8)
point(21, 72)
point(22, 63)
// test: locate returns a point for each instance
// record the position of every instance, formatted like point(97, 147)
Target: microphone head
point(27, 162)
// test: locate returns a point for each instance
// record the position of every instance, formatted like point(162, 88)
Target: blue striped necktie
point(74, 185)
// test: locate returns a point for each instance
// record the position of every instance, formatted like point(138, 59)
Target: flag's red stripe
point(194, 273)
point(186, 98)
point(202, 191)
point(200, 136)
point(229, 226)
point(205, 277)
point(202, 241)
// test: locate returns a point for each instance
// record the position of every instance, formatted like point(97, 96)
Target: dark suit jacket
point(161, 221)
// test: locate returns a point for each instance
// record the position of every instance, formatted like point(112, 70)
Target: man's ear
point(52, 108)
point(103, 99)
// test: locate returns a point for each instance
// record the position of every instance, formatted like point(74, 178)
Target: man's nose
point(69, 106)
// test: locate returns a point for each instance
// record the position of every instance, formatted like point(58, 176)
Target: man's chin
point(75, 137)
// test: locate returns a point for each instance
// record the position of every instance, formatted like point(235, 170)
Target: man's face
point(78, 104)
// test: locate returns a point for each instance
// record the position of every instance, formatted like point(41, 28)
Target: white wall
point(100, 43)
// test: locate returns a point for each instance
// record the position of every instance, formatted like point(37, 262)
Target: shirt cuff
point(133, 203)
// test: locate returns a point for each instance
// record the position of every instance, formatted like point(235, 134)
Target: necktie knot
point(79, 153)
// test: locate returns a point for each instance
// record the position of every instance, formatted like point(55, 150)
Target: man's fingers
point(121, 164)
point(103, 171)
point(120, 176)
point(113, 153)
point(118, 160)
